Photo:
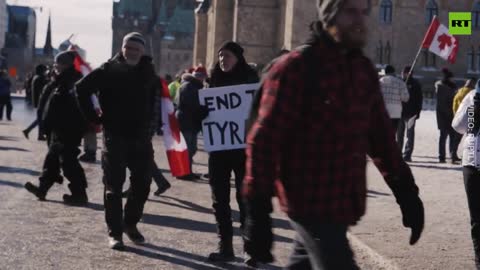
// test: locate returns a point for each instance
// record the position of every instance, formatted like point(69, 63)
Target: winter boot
point(224, 253)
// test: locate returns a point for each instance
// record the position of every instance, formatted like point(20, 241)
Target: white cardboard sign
point(228, 106)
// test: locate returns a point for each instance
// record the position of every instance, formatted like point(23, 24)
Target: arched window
point(478, 59)
point(388, 52)
point(425, 57)
point(470, 60)
point(379, 52)
point(431, 10)
point(386, 12)
point(433, 58)
point(476, 15)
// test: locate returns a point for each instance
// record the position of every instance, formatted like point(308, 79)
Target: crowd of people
point(321, 106)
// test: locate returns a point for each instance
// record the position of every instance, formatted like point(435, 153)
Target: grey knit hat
point(328, 10)
point(134, 36)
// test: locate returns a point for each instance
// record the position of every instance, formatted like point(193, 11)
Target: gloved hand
point(406, 192)
point(257, 232)
point(413, 217)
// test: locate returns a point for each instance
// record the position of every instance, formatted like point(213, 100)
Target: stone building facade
point(19, 46)
point(396, 30)
point(3, 22)
point(168, 26)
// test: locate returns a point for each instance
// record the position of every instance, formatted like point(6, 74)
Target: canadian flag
point(440, 42)
point(173, 139)
point(80, 64)
point(84, 68)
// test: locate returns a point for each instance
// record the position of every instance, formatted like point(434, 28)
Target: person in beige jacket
point(394, 92)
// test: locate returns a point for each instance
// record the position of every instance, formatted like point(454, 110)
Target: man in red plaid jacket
point(315, 127)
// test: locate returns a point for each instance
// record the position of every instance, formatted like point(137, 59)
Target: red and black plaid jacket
point(314, 140)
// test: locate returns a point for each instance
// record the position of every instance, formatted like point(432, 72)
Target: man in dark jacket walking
point(38, 83)
point(64, 124)
point(5, 95)
point(318, 113)
point(446, 90)
point(127, 88)
point(410, 113)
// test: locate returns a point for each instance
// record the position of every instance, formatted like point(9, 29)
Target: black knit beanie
point(236, 49)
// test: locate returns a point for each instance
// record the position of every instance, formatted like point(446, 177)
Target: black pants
point(220, 166)
point(63, 154)
point(321, 247)
point(395, 122)
point(157, 175)
point(471, 178)
point(453, 140)
point(120, 153)
point(6, 101)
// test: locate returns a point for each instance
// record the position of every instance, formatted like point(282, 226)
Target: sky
point(88, 20)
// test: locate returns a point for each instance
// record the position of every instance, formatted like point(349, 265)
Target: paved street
point(180, 227)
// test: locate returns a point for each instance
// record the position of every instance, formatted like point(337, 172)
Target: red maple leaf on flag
point(444, 40)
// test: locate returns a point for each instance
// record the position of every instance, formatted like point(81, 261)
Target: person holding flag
point(127, 87)
point(64, 123)
point(90, 138)
point(445, 90)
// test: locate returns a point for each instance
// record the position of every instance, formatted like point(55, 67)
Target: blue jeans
point(410, 143)
point(321, 246)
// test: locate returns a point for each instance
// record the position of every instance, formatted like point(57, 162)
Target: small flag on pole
point(440, 42)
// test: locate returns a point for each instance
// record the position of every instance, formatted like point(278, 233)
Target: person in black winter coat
point(190, 113)
point(64, 125)
point(5, 95)
point(38, 83)
point(446, 90)
point(231, 69)
point(410, 113)
point(128, 89)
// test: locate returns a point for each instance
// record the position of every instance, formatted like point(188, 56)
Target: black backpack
point(63, 114)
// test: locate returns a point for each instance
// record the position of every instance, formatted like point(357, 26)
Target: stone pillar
point(220, 27)
point(298, 16)
point(256, 25)
point(201, 35)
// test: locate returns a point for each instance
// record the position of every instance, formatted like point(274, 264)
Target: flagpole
point(418, 53)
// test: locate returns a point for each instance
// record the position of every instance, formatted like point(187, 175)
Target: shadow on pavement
point(414, 156)
point(5, 169)
point(170, 259)
point(436, 167)
point(200, 164)
point(10, 184)
point(164, 170)
point(373, 192)
point(6, 148)
point(277, 223)
point(8, 138)
point(193, 225)
point(184, 205)
point(182, 255)
point(90, 205)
